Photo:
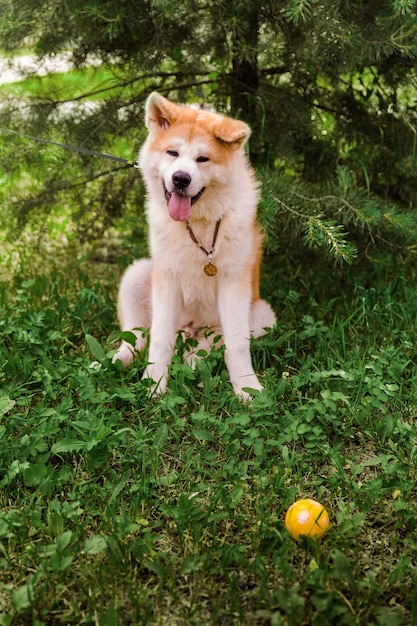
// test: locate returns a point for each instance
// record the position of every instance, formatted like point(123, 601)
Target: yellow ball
point(306, 518)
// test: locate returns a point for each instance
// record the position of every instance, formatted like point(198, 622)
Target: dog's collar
point(209, 269)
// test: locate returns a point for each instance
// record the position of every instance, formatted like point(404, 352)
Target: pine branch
point(404, 7)
point(327, 234)
point(299, 10)
point(339, 222)
point(322, 233)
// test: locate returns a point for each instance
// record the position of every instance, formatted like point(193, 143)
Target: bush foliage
point(328, 88)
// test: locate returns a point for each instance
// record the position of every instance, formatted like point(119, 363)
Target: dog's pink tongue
point(179, 207)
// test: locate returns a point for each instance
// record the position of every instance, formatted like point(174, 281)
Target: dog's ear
point(235, 133)
point(160, 112)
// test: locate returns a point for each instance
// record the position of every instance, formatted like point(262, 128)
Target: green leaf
point(95, 348)
point(119, 486)
point(68, 445)
point(155, 566)
point(22, 597)
point(160, 437)
point(129, 337)
point(95, 545)
point(202, 434)
point(241, 419)
point(63, 540)
point(124, 393)
point(258, 447)
point(5, 619)
point(235, 496)
point(191, 564)
point(387, 617)
point(344, 569)
point(6, 404)
point(62, 563)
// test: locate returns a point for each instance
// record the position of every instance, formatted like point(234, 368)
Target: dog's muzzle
point(179, 202)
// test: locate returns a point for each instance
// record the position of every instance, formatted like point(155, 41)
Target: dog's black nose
point(181, 179)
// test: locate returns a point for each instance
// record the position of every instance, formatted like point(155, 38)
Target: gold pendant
point(210, 269)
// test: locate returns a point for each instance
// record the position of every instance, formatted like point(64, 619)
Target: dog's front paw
point(125, 354)
point(251, 383)
point(159, 384)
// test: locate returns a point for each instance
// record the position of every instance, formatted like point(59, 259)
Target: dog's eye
point(172, 153)
point(202, 159)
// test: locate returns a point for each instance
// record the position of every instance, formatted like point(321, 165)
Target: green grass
point(91, 83)
point(119, 510)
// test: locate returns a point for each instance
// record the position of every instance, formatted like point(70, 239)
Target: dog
point(205, 245)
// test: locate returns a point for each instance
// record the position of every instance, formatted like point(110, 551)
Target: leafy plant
point(118, 509)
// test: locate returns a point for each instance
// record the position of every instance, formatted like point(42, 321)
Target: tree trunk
point(244, 77)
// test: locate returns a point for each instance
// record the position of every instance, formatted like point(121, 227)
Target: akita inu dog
point(205, 244)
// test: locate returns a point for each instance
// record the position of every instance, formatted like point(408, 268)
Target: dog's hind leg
point(261, 316)
point(134, 307)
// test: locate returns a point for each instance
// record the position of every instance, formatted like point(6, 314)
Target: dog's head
point(188, 152)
